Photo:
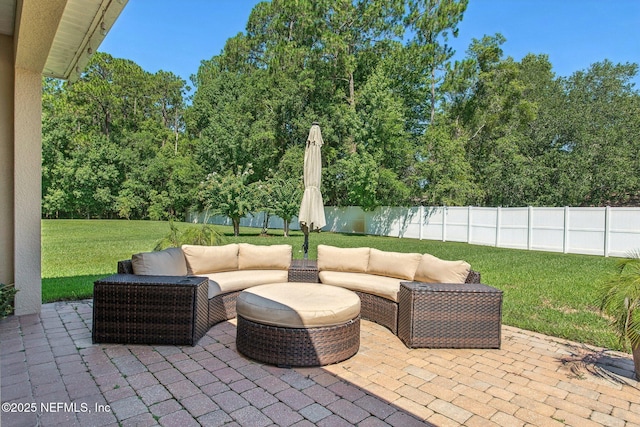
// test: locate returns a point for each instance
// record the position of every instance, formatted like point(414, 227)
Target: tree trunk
point(107, 123)
point(433, 95)
point(286, 229)
point(176, 132)
point(352, 91)
point(265, 224)
point(236, 226)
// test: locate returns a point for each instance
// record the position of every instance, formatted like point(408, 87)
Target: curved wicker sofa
point(229, 268)
point(374, 275)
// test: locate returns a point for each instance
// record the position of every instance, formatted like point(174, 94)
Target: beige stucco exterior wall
point(27, 190)
point(6, 159)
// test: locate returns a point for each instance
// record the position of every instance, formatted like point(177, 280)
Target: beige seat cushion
point(229, 281)
point(256, 257)
point(385, 287)
point(298, 305)
point(331, 258)
point(393, 264)
point(435, 270)
point(169, 262)
point(211, 259)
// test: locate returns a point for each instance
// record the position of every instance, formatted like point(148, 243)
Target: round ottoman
point(298, 324)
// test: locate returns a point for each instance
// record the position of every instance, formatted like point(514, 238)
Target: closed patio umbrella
point(311, 215)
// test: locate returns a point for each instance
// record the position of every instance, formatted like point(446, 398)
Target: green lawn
point(551, 293)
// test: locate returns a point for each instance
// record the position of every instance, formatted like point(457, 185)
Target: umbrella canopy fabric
point(312, 208)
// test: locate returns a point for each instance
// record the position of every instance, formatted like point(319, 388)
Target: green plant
point(203, 234)
point(620, 299)
point(7, 292)
point(229, 194)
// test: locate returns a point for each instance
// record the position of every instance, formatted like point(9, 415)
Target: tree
point(401, 123)
point(603, 113)
point(445, 172)
point(287, 196)
point(427, 52)
point(495, 118)
point(354, 181)
point(105, 150)
point(228, 194)
point(170, 92)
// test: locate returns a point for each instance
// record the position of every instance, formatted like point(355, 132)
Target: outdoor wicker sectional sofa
point(230, 269)
point(376, 276)
point(396, 290)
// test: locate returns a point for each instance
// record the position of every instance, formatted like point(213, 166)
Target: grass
point(550, 293)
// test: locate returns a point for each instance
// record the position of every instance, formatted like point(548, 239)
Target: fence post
point(607, 229)
point(469, 209)
point(498, 225)
point(565, 240)
point(421, 216)
point(444, 223)
point(530, 228)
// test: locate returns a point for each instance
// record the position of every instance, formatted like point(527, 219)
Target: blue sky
point(176, 35)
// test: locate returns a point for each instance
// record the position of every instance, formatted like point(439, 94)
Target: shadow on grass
point(68, 288)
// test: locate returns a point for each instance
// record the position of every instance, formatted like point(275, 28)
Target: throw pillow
point(169, 262)
point(354, 260)
point(257, 257)
point(435, 270)
point(211, 259)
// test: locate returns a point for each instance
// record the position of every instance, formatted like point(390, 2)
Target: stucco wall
point(27, 189)
point(6, 159)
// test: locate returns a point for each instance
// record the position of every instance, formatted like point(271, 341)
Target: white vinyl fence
point(596, 231)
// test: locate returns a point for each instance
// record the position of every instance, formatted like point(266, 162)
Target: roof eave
point(78, 38)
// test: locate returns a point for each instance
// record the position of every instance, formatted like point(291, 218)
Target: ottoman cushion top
point(298, 305)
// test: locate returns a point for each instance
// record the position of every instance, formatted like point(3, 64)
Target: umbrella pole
point(305, 245)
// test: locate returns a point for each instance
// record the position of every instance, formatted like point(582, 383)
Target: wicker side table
point(443, 315)
point(135, 309)
point(304, 270)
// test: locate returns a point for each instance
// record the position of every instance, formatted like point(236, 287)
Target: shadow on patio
point(533, 379)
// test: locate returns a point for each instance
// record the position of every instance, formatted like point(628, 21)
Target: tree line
point(403, 123)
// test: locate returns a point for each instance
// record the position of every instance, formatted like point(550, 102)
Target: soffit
point(83, 27)
point(58, 37)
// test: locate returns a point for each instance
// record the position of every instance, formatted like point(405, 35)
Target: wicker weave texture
point(473, 277)
point(304, 270)
point(379, 310)
point(298, 346)
point(125, 267)
point(150, 309)
point(440, 315)
point(222, 307)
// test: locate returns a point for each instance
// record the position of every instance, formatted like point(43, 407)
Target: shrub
point(203, 234)
point(7, 293)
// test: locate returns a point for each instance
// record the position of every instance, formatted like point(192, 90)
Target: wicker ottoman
point(298, 324)
point(441, 315)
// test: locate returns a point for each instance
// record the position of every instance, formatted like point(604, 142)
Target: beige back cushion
point(255, 257)
point(211, 259)
point(355, 260)
point(169, 262)
point(393, 264)
point(435, 270)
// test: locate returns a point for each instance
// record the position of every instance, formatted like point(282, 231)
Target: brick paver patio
point(50, 366)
